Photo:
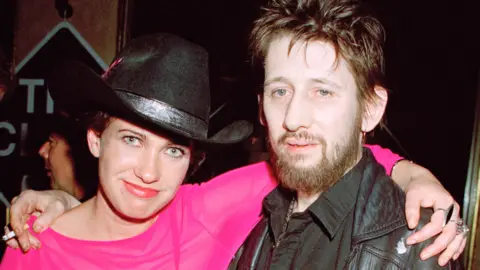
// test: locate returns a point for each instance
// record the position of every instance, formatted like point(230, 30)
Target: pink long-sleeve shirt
point(201, 229)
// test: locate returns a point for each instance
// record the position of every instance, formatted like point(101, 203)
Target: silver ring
point(461, 227)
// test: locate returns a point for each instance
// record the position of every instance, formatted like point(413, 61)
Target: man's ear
point(93, 140)
point(261, 115)
point(374, 109)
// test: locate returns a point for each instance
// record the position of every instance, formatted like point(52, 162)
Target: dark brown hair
point(345, 24)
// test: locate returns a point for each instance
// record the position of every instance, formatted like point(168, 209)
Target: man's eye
point(279, 92)
point(175, 152)
point(324, 93)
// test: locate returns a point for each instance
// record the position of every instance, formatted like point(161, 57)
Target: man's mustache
point(302, 135)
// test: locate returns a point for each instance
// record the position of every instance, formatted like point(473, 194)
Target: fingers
point(441, 243)
point(47, 218)
point(34, 243)
point(460, 250)
point(28, 241)
point(412, 209)
point(22, 207)
point(452, 250)
point(25, 241)
point(12, 242)
point(431, 229)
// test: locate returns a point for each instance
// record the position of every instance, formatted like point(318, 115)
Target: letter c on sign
point(11, 147)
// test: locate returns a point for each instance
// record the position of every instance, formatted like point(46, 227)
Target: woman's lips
point(139, 191)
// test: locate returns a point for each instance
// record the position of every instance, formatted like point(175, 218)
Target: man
point(68, 164)
point(335, 208)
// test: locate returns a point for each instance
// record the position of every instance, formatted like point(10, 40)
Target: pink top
point(201, 229)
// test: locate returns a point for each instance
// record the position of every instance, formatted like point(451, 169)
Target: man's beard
point(325, 173)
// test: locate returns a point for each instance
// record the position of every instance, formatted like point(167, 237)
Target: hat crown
point(165, 68)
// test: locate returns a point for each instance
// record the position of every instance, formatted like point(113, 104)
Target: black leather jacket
point(379, 232)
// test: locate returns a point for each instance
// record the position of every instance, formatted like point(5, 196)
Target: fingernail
point(38, 228)
point(410, 223)
point(425, 255)
point(25, 246)
point(411, 241)
point(36, 244)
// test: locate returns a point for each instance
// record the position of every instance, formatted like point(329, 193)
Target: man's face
point(58, 163)
point(312, 114)
point(139, 171)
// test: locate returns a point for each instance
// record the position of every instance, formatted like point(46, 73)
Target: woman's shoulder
point(72, 223)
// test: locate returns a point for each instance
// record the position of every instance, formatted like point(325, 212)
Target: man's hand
point(424, 190)
point(48, 204)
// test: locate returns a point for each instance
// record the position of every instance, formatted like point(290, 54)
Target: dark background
point(432, 53)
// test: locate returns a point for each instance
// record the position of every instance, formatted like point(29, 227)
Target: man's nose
point(299, 114)
point(44, 149)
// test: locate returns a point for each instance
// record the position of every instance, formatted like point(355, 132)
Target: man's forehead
point(315, 53)
point(315, 61)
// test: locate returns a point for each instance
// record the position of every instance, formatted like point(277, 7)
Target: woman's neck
point(111, 226)
point(95, 220)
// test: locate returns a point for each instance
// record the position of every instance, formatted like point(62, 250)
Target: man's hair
point(345, 24)
point(84, 165)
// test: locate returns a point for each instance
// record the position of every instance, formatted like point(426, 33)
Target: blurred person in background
point(68, 163)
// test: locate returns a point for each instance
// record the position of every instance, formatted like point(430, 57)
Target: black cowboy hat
point(160, 78)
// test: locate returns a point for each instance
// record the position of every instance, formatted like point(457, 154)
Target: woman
point(153, 120)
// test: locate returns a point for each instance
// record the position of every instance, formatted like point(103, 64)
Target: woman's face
point(139, 171)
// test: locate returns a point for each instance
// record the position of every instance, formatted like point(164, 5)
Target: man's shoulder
point(391, 248)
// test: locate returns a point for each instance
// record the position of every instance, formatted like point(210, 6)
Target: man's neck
point(304, 201)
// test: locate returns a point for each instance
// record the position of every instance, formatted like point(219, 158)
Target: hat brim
point(78, 89)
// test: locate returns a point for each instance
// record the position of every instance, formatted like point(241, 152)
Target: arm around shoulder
point(431, 263)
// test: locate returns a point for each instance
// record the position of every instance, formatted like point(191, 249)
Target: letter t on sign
point(31, 83)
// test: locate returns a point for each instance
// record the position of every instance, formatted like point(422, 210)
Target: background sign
point(30, 106)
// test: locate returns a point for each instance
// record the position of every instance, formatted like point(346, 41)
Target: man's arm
point(423, 190)
point(431, 263)
point(49, 204)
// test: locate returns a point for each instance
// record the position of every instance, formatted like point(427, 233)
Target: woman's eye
point(175, 152)
point(131, 140)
